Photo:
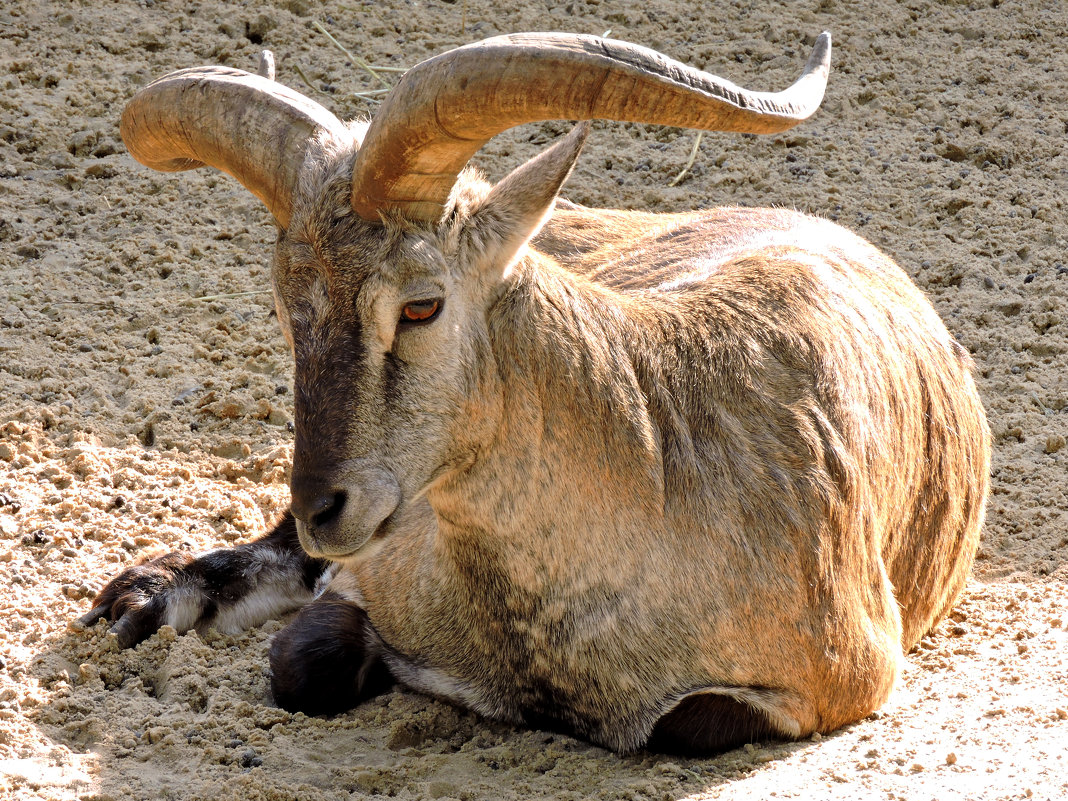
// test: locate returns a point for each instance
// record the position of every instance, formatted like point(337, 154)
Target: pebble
point(250, 759)
point(186, 394)
point(156, 733)
point(951, 758)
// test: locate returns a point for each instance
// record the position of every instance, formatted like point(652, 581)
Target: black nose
point(316, 506)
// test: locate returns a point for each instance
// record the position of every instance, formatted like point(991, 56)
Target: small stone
point(1054, 442)
point(951, 758)
point(38, 537)
point(156, 733)
point(1021, 648)
point(101, 169)
point(988, 282)
point(186, 394)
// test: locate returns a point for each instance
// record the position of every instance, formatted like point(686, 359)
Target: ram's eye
point(421, 311)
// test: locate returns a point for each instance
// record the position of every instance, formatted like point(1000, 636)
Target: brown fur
point(732, 451)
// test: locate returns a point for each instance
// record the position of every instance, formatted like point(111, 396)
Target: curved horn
point(246, 125)
point(444, 109)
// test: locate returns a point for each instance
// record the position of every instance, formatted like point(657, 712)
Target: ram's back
point(889, 415)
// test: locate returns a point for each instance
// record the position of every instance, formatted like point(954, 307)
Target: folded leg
point(328, 659)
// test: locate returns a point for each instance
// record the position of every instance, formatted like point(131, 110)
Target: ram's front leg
point(229, 589)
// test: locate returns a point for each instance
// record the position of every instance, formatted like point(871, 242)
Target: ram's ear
point(515, 209)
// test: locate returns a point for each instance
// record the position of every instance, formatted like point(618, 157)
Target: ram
point(674, 481)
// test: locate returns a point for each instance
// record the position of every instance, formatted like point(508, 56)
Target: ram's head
point(391, 256)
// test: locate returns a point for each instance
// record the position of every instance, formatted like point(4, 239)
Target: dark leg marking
point(328, 659)
point(231, 587)
point(708, 723)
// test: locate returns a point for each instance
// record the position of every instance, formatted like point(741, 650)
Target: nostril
point(328, 508)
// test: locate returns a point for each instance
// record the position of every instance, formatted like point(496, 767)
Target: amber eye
point(421, 311)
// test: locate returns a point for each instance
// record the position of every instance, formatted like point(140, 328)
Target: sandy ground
point(136, 417)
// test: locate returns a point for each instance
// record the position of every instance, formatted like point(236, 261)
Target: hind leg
point(328, 659)
point(713, 719)
point(707, 724)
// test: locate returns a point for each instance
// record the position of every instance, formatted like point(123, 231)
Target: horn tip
point(820, 60)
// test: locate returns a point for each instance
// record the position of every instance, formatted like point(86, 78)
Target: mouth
point(313, 547)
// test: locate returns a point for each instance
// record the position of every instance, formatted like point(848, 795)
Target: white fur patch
point(184, 606)
point(441, 685)
point(276, 588)
point(262, 604)
point(325, 579)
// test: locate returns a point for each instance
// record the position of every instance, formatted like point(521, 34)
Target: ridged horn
point(246, 125)
point(445, 108)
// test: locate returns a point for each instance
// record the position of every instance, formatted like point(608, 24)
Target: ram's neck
point(574, 432)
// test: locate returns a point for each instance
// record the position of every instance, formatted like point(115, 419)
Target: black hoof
point(327, 660)
point(708, 723)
